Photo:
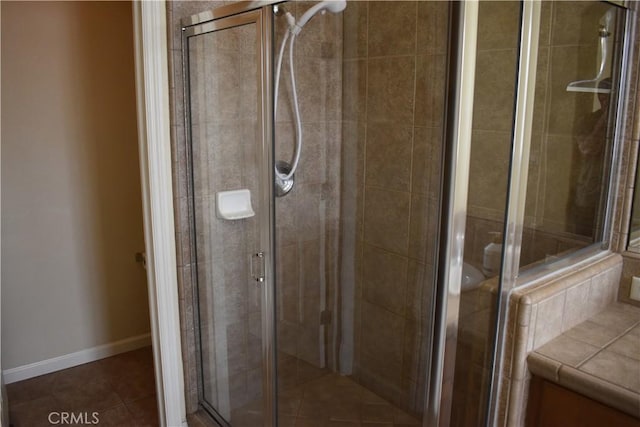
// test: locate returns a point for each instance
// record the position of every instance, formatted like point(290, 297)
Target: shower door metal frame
point(463, 24)
point(517, 189)
point(246, 13)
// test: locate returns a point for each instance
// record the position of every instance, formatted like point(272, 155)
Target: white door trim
point(154, 131)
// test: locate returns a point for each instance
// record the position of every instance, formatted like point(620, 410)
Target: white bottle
point(492, 255)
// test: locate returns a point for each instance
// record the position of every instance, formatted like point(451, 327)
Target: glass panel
point(356, 236)
point(572, 129)
point(225, 144)
point(493, 114)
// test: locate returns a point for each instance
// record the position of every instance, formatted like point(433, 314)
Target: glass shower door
point(231, 214)
point(355, 236)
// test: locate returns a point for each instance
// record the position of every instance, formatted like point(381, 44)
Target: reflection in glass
point(572, 130)
point(591, 143)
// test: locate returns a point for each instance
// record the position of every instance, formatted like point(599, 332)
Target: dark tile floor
point(120, 389)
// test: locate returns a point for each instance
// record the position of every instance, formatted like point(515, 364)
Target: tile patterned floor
point(330, 401)
point(120, 389)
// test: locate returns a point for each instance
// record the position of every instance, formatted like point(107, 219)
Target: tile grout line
point(606, 345)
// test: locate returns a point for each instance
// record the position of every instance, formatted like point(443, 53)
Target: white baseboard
point(74, 359)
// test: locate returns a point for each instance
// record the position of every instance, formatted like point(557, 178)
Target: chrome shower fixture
point(333, 6)
point(284, 175)
point(283, 184)
point(593, 85)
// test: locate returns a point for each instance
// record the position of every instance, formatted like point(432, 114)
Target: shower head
point(333, 6)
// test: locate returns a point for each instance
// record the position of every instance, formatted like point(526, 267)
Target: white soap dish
point(234, 204)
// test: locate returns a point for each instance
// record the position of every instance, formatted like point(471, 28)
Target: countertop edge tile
point(600, 390)
point(543, 366)
point(578, 378)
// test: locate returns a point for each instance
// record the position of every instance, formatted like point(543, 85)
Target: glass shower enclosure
point(319, 303)
point(354, 289)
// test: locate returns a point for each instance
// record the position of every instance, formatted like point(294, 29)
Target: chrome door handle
point(258, 267)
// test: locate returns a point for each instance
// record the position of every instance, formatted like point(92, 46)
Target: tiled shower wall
point(364, 66)
point(184, 245)
point(568, 52)
point(496, 64)
point(224, 147)
point(306, 219)
point(393, 88)
point(541, 312)
point(550, 163)
point(399, 78)
point(563, 46)
point(627, 188)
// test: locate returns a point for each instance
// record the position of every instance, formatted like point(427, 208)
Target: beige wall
point(71, 217)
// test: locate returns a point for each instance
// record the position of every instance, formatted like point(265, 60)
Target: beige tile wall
point(489, 169)
point(542, 311)
point(473, 355)
point(186, 266)
point(537, 245)
point(224, 157)
point(412, 187)
point(307, 218)
point(393, 88)
point(627, 186)
point(229, 300)
point(549, 225)
point(224, 148)
point(493, 110)
point(585, 291)
point(564, 47)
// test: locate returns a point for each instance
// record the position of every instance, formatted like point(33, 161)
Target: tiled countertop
point(599, 358)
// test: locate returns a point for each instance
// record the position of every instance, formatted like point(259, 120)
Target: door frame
point(226, 17)
point(154, 144)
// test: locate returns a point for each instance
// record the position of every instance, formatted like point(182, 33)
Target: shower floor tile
point(331, 400)
point(119, 389)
